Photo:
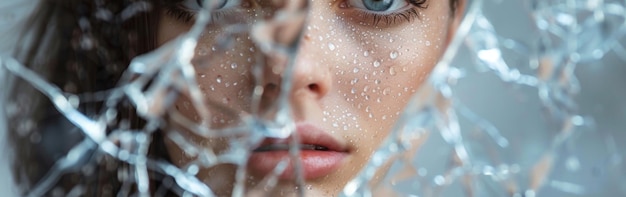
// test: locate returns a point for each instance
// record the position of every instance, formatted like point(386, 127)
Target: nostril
point(314, 88)
point(270, 87)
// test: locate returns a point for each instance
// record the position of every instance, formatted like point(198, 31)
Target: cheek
point(222, 65)
point(376, 72)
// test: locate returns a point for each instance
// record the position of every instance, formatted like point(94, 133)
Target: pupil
point(220, 5)
point(377, 5)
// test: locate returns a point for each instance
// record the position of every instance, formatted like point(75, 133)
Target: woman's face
point(357, 65)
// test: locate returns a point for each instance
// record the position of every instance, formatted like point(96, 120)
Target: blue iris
point(377, 5)
point(221, 5)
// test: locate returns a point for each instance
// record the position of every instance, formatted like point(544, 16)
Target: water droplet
point(203, 51)
point(366, 53)
point(427, 43)
point(331, 46)
point(219, 79)
point(377, 81)
point(233, 65)
point(355, 70)
point(376, 64)
point(354, 81)
point(392, 71)
point(202, 75)
point(387, 91)
point(393, 55)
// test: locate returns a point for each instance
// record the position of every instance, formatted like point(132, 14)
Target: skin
point(352, 78)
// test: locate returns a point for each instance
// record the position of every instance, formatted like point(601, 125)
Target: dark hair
point(80, 46)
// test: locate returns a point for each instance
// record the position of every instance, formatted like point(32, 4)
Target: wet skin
point(353, 75)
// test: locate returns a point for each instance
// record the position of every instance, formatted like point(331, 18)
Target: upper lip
point(308, 134)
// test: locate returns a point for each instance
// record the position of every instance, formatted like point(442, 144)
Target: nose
point(311, 76)
point(311, 80)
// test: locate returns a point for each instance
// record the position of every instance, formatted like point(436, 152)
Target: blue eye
point(384, 6)
point(196, 5)
point(377, 5)
point(220, 3)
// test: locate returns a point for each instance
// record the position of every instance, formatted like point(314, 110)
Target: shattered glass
point(528, 99)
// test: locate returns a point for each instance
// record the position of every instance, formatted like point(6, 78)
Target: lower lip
point(315, 164)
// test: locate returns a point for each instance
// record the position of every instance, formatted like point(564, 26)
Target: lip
point(315, 163)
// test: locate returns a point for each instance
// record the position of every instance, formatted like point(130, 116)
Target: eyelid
point(193, 5)
point(396, 6)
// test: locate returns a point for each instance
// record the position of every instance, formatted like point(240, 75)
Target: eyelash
point(176, 10)
point(390, 19)
point(407, 15)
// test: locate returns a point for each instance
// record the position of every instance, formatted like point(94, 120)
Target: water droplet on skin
point(393, 55)
point(376, 64)
point(331, 46)
point(377, 81)
point(203, 51)
point(354, 81)
point(366, 53)
point(233, 65)
point(203, 75)
point(355, 70)
point(427, 43)
point(219, 79)
point(392, 71)
point(387, 91)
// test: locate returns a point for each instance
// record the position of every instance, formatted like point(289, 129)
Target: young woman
point(357, 64)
